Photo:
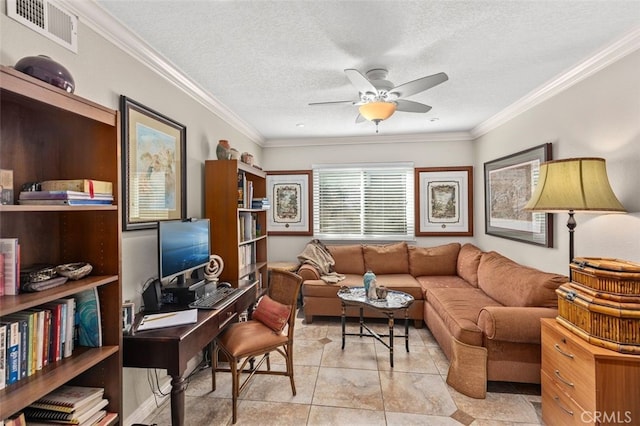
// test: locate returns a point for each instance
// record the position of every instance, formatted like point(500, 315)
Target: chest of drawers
point(583, 384)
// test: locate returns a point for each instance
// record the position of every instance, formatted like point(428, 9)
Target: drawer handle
point(562, 379)
point(559, 349)
point(566, 410)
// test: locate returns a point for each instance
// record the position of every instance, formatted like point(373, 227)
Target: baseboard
point(149, 405)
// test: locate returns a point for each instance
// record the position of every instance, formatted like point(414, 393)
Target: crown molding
point(378, 139)
point(101, 21)
point(603, 58)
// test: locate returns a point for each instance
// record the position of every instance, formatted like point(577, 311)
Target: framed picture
point(444, 201)
point(509, 183)
point(290, 195)
point(128, 316)
point(153, 167)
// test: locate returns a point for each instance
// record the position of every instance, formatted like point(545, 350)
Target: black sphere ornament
point(46, 69)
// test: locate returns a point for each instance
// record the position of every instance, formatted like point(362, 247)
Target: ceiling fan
point(379, 98)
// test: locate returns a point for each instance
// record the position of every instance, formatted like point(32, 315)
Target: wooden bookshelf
point(49, 134)
point(230, 239)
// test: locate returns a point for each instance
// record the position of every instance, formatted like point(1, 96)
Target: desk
point(171, 348)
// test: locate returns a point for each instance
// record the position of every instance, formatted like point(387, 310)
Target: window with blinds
point(363, 201)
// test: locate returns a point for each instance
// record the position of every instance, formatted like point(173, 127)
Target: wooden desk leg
point(343, 320)
point(177, 400)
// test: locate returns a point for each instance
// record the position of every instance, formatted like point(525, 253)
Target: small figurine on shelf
point(247, 158)
point(222, 150)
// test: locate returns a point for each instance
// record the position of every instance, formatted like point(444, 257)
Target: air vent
point(47, 18)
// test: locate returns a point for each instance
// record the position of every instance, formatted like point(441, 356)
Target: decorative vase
point(367, 278)
point(222, 150)
point(46, 69)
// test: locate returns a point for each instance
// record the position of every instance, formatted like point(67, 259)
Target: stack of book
point(76, 192)
point(261, 203)
point(72, 405)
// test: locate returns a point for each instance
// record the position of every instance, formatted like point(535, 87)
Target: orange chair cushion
point(272, 314)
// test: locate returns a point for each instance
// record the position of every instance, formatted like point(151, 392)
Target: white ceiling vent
point(47, 18)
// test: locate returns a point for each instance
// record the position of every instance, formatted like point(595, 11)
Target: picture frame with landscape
point(153, 166)
point(444, 201)
point(291, 205)
point(509, 183)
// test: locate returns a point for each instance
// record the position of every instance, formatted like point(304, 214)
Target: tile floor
point(356, 386)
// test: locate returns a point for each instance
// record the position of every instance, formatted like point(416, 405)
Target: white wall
point(597, 117)
point(102, 73)
point(428, 153)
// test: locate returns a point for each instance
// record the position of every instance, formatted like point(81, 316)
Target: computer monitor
point(183, 246)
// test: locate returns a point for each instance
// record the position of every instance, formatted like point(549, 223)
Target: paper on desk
point(168, 319)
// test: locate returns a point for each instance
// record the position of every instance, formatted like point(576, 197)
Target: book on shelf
point(88, 318)
point(87, 202)
point(55, 331)
point(13, 352)
point(242, 183)
point(31, 319)
point(87, 414)
point(24, 346)
point(69, 398)
point(3, 355)
point(70, 313)
point(11, 267)
point(38, 347)
point(1, 273)
point(64, 195)
point(91, 186)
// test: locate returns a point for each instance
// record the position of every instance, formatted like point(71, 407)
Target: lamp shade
point(377, 111)
point(574, 184)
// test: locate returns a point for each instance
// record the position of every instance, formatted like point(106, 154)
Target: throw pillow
point(468, 262)
point(430, 261)
point(271, 313)
point(387, 258)
point(348, 258)
point(513, 284)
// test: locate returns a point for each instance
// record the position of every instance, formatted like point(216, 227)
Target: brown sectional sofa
point(478, 305)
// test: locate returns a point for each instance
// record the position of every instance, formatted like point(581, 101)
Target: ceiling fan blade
point(360, 119)
point(419, 85)
point(333, 102)
point(360, 81)
point(411, 106)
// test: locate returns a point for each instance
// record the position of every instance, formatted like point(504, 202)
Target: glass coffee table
point(395, 301)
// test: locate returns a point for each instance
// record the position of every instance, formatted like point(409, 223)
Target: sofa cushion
point(442, 281)
point(468, 262)
point(386, 258)
point(440, 260)
point(348, 258)
point(513, 284)
point(459, 309)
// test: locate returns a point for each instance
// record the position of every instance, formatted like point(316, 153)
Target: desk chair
point(242, 342)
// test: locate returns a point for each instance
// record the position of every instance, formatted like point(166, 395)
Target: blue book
point(13, 352)
point(88, 318)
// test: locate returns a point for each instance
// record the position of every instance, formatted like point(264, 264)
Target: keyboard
point(221, 297)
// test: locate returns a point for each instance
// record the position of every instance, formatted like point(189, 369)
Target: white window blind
point(363, 201)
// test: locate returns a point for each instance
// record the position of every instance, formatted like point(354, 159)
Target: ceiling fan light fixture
point(377, 111)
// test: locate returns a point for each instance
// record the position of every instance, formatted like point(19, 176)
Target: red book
point(1, 274)
point(55, 331)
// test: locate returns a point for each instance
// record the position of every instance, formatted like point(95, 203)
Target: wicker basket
point(612, 325)
point(611, 279)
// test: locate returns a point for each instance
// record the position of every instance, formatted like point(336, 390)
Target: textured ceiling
point(266, 60)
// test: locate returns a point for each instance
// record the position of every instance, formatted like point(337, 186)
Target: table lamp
point(574, 185)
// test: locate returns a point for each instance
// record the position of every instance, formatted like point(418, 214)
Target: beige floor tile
point(356, 354)
point(416, 393)
point(349, 388)
point(497, 406)
point(261, 413)
point(332, 416)
point(305, 352)
point(278, 388)
point(417, 360)
point(408, 419)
